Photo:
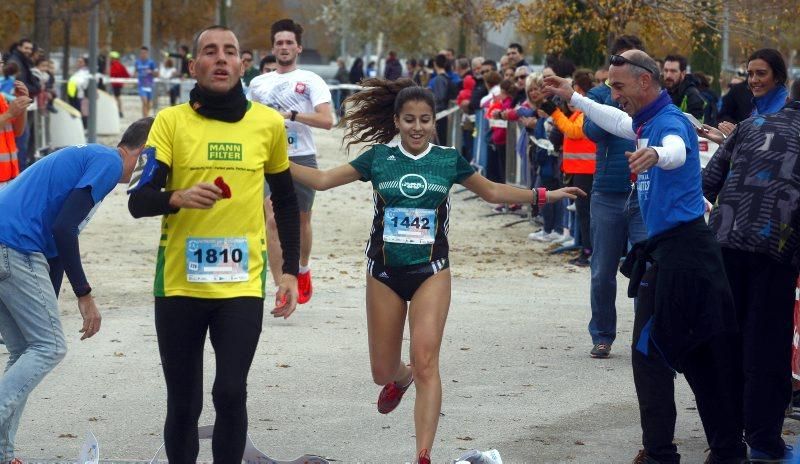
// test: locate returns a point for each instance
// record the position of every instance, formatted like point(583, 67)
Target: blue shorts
point(146, 92)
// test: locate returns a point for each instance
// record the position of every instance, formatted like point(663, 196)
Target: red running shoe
point(304, 288)
point(424, 457)
point(390, 396)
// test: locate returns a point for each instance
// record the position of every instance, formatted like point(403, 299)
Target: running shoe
point(643, 458)
point(424, 457)
point(537, 236)
point(582, 260)
point(601, 351)
point(304, 288)
point(390, 396)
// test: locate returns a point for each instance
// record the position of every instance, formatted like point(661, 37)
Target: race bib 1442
point(409, 225)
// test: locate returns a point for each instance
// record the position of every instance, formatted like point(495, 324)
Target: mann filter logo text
point(413, 185)
point(224, 151)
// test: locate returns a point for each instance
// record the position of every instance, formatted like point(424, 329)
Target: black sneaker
point(582, 260)
point(643, 458)
point(601, 350)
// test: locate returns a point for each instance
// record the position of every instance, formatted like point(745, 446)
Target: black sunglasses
point(619, 60)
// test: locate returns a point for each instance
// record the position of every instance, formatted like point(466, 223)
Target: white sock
point(304, 269)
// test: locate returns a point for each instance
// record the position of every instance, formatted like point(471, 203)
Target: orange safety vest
point(580, 153)
point(9, 164)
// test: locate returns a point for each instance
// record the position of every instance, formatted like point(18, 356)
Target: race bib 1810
point(222, 259)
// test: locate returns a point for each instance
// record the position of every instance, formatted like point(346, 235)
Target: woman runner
point(407, 253)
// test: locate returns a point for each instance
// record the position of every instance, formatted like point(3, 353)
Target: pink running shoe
point(424, 457)
point(304, 288)
point(390, 396)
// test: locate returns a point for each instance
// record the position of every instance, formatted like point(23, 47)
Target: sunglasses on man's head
point(619, 60)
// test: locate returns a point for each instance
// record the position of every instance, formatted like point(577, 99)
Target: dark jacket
point(356, 72)
point(693, 300)
point(687, 97)
point(737, 104)
point(440, 85)
point(478, 93)
point(754, 178)
point(25, 75)
point(711, 114)
point(612, 173)
point(393, 69)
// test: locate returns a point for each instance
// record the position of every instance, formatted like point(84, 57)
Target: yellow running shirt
point(218, 252)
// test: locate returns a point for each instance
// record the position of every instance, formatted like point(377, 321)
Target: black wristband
point(83, 291)
point(293, 116)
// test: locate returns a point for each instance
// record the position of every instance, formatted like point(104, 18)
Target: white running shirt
point(297, 90)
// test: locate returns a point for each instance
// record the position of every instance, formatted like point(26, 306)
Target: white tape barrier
point(252, 455)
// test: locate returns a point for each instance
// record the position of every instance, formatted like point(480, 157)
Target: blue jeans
point(615, 221)
point(31, 328)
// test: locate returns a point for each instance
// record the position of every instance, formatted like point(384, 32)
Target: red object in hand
point(226, 190)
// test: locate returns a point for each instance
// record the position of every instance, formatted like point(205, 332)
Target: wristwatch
point(294, 115)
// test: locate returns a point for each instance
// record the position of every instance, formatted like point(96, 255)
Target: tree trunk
point(41, 24)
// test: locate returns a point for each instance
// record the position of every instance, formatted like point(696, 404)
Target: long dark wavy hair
point(372, 110)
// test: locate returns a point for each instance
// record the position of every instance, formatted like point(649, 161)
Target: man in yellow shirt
point(204, 171)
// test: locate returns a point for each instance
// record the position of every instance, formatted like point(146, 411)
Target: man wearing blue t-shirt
point(685, 319)
point(145, 71)
point(38, 244)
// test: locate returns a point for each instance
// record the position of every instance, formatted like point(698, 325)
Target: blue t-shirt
point(144, 72)
point(31, 203)
point(672, 197)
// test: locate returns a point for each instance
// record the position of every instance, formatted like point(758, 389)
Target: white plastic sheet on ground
point(474, 456)
point(90, 450)
point(252, 455)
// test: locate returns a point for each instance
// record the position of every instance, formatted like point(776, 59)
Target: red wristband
point(542, 198)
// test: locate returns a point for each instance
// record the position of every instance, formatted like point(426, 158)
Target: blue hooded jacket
point(612, 173)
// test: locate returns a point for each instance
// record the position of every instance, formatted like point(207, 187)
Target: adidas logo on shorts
point(383, 275)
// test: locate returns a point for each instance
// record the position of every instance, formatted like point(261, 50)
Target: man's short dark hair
point(626, 42)
point(246, 51)
point(269, 59)
point(440, 61)
point(136, 134)
point(682, 62)
point(144, 47)
point(491, 63)
point(287, 25)
point(516, 46)
point(196, 41)
point(775, 61)
point(23, 41)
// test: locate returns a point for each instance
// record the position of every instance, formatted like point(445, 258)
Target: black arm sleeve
point(76, 207)
point(287, 218)
point(149, 199)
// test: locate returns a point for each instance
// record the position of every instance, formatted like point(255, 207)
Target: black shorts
point(117, 91)
point(405, 280)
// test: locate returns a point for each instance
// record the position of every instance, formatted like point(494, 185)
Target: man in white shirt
point(304, 100)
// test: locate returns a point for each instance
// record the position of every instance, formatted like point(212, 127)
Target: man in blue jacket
point(38, 245)
point(615, 218)
point(685, 320)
